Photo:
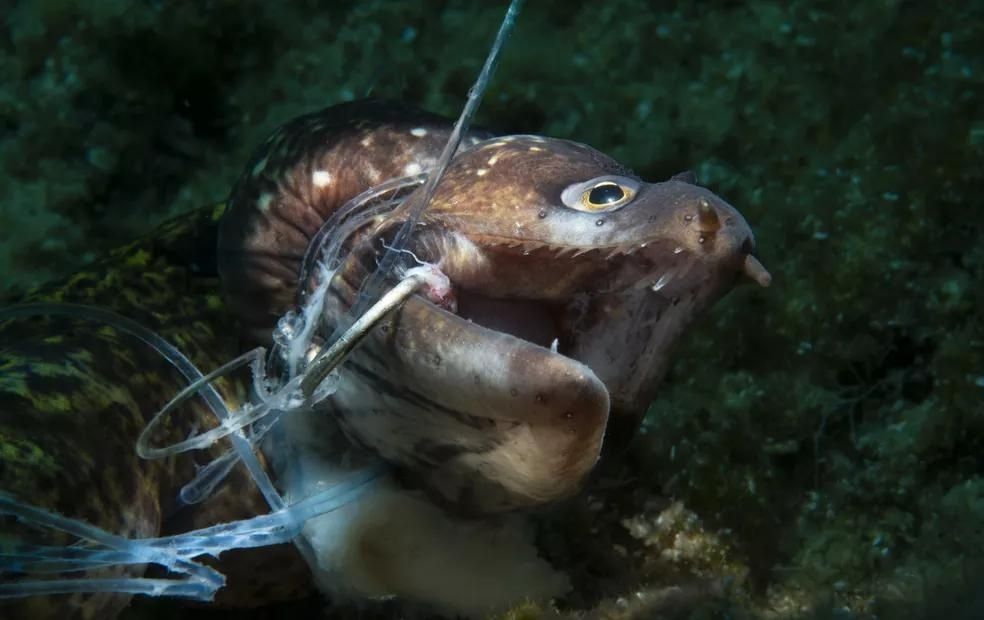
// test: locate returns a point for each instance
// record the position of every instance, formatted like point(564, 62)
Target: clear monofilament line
point(175, 553)
point(422, 197)
point(322, 366)
point(186, 587)
point(201, 581)
point(326, 243)
point(175, 357)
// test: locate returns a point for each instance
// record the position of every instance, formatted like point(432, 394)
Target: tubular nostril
point(755, 270)
point(707, 217)
point(747, 246)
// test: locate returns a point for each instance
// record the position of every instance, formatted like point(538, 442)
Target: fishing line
point(422, 197)
point(372, 287)
point(301, 390)
point(176, 358)
point(175, 553)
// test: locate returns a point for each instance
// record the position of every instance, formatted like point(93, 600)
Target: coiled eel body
point(571, 279)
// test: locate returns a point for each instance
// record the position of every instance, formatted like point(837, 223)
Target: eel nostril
point(756, 271)
point(707, 217)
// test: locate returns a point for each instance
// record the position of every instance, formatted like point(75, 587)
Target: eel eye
point(604, 195)
point(601, 194)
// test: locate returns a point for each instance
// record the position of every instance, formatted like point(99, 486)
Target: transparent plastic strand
point(421, 199)
point(327, 242)
point(175, 553)
point(176, 358)
point(284, 522)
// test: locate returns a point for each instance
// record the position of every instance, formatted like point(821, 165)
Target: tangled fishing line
point(311, 375)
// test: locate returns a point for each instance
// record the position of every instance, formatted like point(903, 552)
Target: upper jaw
point(547, 295)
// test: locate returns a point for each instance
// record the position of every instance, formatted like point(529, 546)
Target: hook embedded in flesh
point(707, 218)
point(756, 271)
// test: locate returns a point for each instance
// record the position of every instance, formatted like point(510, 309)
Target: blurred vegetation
point(825, 435)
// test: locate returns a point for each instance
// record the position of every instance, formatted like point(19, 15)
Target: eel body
point(75, 395)
point(571, 279)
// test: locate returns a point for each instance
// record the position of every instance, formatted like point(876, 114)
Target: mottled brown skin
point(279, 206)
point(483, 419)
point(475, 407)
point(74, 396)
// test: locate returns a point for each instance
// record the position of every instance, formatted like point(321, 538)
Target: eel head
point(571, 280)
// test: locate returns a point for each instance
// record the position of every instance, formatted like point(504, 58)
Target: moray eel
point(571, 280)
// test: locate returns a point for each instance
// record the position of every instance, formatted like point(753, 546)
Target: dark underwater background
point(818, 448)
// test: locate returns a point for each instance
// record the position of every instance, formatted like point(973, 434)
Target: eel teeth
point(756, 271)
point(615, 252)
point(707, 218)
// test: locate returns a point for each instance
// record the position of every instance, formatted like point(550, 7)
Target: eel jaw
point(617, 310)
point(502, 400)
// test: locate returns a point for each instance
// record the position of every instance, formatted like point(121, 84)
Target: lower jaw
point(639, 324)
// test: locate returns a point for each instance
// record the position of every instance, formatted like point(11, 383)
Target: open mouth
point(619, 312)
point(539, 322)
point(597, 280)
point(555, 320)
point(561, 296)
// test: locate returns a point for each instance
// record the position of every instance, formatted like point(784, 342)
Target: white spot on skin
point(373, 174)
point(535, 148)
point(493, 159)
point(264, 202)
point(418, 132)
point(366, 142)
point(411, 169)
point(481, 171)
point(321, 178)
